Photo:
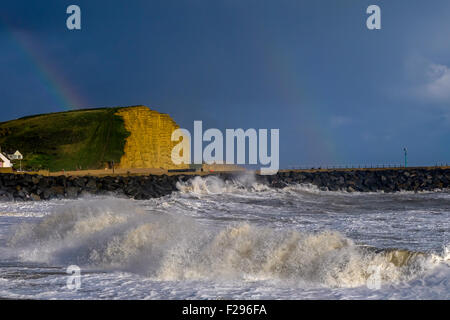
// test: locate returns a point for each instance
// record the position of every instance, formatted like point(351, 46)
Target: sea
point(229, 240)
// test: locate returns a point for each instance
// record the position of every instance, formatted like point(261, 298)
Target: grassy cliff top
point(77, 139)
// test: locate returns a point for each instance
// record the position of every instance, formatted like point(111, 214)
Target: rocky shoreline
point(369, 180)
point(24, 187)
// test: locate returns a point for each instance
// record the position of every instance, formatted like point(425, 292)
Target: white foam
point(233, 239)
point(118, 235)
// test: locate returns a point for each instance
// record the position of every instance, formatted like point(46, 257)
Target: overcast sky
point(338, 92)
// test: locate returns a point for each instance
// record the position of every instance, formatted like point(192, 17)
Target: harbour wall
point(26, 187)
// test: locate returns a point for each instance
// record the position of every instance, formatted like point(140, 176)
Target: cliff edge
point(149, 144)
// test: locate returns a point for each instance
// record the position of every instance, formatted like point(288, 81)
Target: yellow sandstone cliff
point(149, 144)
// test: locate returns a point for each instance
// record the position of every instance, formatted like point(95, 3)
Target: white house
point(15, 156)
point(5, 162)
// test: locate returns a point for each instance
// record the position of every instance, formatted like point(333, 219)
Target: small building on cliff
point(15, 156)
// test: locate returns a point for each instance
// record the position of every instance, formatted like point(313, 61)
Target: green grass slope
point(79, 139)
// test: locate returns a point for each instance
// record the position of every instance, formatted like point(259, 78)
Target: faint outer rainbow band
point(51, 79)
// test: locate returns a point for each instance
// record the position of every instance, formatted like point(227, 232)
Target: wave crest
point(117, 234)
point(215, 185)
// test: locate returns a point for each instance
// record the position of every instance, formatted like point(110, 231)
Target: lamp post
point(406, 155)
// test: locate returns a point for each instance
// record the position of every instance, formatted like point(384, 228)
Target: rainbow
point(52, 80)
point(289, 83)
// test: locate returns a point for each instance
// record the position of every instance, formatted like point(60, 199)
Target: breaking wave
point(211, 185)
point(116, 234)
point(242, 184)
point(215, 185)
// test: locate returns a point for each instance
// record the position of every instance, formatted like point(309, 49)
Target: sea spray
point(113, 234)
point(216, 185)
